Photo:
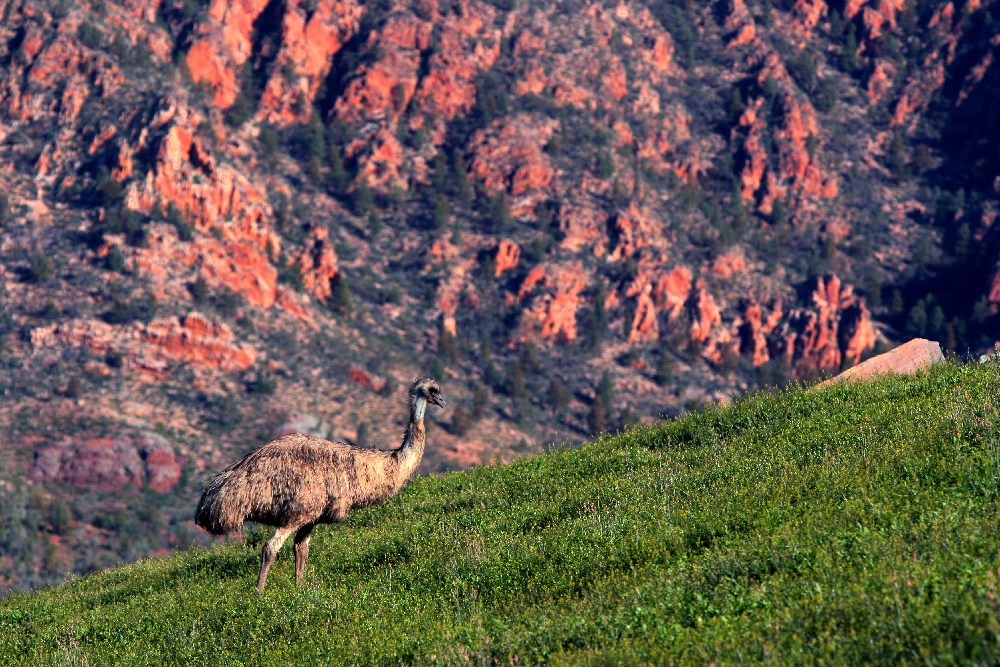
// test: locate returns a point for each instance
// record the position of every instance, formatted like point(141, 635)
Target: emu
point(297, 481)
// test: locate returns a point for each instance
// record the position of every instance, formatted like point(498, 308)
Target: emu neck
point(412, 449)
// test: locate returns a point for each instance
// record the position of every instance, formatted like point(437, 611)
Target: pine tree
point(897, 157)
point(936, 322)
point(597, 420)
point(115, 261)
point(480, 401)
point(916, 321)
point(849, 55)
point(341, 300)
point(664, 370)
point(362, 200)
point(442, 212)
point(374, 224)
point(440, 173)
point(499, 213)
point(513, 383)
point(199, 289)
point(557, 397)
point(598, 323)
point(606, 389)
point(461, 420)
point(896, 303)
point(462, 185)
point(314, 139)
point(338, 178)
point(361, 438)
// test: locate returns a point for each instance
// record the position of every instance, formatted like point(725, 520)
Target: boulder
point(109, 463)
point(907, 359)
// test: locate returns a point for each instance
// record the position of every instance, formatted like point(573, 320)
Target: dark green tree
point(916, 320)
point(557, 396)
point(362, 200)
point(827, 94)
point(514, 381)
point(849, 54)
point(115, 261)
point(896, 304)
point(803, 69)
point(40, 267)
point(597, 324)
point(313, 139)
point(605, 165)
point(268, 140)
point(440, 174)
point(896, 157)
point(338, 179)
point(461, 420)
point(936, 323)
point(597, 418)
point(341, 299)
point(109, 190)
point(199, 289)
point(498, 213)
point(374, 224)
point(442, 212)
point(462, 184)
point(606, 389)
point(480, 401)
point(664, 369)
point(362, 437)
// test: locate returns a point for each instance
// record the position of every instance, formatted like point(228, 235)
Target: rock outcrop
point(508, 255)
point(833, 333)
point(509, 157)
point(156, 347)
point(551, 314)
point(109, 463)
point(912, 357)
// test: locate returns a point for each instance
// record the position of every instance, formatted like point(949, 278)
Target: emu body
point(298, 481)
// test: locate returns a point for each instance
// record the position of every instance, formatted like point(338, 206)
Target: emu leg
point(271, 552)
point(302, 551)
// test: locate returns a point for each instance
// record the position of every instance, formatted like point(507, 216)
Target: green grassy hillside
point(853, 525)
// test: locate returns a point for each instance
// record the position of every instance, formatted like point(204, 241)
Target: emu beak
point(438, 401)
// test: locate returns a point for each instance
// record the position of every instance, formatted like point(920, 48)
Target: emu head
point(428, 390)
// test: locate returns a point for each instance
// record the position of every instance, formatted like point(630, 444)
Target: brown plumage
point(297, 481)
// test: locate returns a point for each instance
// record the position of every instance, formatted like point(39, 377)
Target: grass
point(854, 525)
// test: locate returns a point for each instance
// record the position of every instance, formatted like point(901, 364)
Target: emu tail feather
point(220, 510)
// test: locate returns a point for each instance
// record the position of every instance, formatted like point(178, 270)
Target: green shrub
point(340, 302)
point(140, 309)
point(115, 261)
point(90, 36)
point(261, 383)
point(40, 267)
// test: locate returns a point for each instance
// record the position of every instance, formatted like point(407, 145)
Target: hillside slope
point(221, 220)
point(855, 525)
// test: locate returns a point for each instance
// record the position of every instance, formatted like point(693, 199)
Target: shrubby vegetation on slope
point(854, 525)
